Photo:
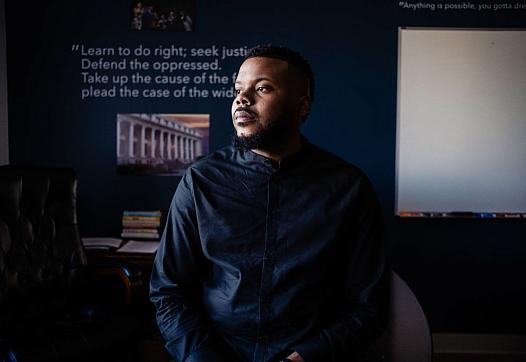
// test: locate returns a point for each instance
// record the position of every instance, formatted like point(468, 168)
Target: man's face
point(267, 104)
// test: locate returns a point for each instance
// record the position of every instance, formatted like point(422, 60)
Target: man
point(273, 248)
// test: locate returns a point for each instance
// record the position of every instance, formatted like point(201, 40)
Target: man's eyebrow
point(257, 80)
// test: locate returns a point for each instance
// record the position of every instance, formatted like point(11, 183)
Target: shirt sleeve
point(363, 311)
point(175, 284)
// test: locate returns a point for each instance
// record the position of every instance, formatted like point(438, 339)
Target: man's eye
point(262, 89)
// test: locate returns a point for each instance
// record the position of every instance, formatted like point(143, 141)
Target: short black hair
point(288, 55)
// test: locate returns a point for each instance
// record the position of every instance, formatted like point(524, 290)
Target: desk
point(143, 262)
point(151, 346)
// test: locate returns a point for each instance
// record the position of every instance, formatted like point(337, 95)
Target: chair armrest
point(112, 276)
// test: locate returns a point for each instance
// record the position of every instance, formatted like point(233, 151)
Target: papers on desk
point(115, 244)
point(101, 243)
point(142, 247)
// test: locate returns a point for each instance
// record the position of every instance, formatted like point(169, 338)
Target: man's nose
point(243, 99)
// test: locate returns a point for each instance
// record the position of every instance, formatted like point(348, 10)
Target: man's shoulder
point(343, 172)
point(221, 157)
point(329, 160)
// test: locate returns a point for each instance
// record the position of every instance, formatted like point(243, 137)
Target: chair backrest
point(40, 248)
point(407, 337)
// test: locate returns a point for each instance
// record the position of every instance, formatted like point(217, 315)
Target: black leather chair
point(54, 306)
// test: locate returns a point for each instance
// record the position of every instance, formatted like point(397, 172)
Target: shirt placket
point(267, 268)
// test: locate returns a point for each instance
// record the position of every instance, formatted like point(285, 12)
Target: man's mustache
point(245, 109)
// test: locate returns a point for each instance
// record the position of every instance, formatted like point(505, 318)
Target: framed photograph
point(163, 15)
point(160, 144)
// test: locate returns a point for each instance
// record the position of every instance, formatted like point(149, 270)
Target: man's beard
point(275, 136)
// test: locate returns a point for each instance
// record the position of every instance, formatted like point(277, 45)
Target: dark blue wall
point(468, 274)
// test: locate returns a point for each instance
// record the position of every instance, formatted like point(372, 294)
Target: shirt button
point(261, 339)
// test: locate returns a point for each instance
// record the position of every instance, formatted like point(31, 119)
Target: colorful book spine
point(141, 224)
point(141, 218)
point(142, 213)
point(138, 230)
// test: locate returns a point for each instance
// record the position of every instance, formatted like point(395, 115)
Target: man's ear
point(305, 103)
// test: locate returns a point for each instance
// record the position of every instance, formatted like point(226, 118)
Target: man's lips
point(242, 117)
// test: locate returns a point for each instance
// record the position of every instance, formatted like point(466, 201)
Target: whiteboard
point(461, 121)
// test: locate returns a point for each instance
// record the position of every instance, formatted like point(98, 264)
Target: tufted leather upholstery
point(42, 247)
point(45, 280)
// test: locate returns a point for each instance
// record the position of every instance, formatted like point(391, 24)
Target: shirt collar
point(252, 159)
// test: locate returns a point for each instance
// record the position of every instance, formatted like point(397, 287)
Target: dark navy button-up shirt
point(260, 259)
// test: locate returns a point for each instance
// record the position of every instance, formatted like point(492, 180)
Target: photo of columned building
point(160, 144)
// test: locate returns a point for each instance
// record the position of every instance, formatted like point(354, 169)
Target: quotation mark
point(75, 47)
point(401, 3)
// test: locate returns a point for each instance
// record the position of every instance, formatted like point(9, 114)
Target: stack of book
point(141, 224)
